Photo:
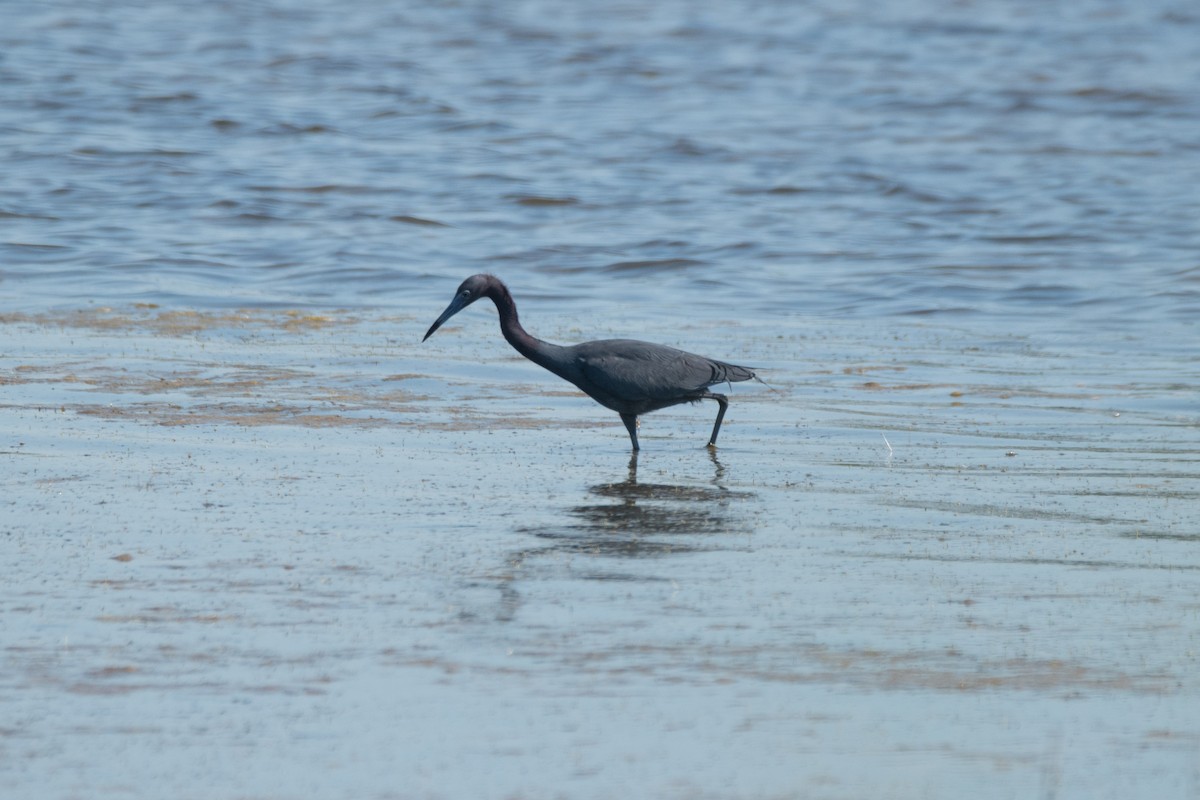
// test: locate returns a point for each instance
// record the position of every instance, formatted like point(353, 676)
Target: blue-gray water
point(1009, 161)
point(262, 543)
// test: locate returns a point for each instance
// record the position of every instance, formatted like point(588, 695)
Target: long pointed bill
point(456, 305)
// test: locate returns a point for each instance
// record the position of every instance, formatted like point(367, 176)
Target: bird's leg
point(723, 402)
point(631, 425)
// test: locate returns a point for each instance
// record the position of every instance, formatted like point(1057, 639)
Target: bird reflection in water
point(634, 519)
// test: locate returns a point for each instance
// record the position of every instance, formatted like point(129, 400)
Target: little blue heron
point(626, 375)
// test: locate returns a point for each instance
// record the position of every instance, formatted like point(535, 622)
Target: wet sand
point(272, 554)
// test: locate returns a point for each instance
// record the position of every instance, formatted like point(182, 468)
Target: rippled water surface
point(260, 542)
point(1008, 159)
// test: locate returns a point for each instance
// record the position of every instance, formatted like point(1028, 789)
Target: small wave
point(1107, 94)
point(540, 200)
point(408, 220)
point(35, 246)
point(782, 189)
point(293, 128)
point(654, 265)
point(325, 188)
point(1044, 238)
point(5, 214)
point(173, 97)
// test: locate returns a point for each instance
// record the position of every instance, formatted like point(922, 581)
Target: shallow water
point(247, 558)
point(261, 542)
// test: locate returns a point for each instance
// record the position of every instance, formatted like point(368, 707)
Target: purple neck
point(537, 351)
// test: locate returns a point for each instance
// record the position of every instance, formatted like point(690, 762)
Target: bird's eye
point(465, 293)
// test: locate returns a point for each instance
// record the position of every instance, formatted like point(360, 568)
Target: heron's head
point(468, 292)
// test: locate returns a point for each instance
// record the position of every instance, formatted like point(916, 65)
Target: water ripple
point(922, 160)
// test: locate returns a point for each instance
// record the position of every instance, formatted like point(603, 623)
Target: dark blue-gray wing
point(633, 370)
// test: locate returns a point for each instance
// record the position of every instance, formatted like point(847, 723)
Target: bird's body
point(625, 375)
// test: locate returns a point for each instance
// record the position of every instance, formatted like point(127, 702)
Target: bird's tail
point(731, 373)
point(764, 383)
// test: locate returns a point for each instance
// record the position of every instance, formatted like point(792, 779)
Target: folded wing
point(637, 371)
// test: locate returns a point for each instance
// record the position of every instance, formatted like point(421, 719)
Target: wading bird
point(628, 376)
